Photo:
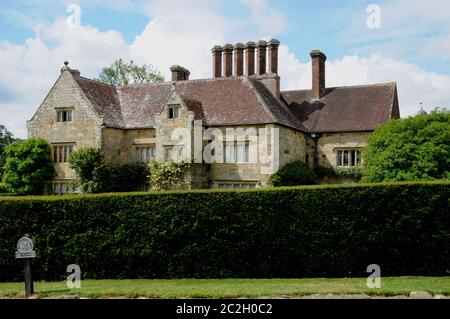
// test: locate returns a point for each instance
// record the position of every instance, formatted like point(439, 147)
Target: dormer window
point(173, 112)
point(64, 115)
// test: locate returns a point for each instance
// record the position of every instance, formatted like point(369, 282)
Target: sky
point(402, 41)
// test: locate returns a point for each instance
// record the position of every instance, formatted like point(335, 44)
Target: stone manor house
point(322, 126)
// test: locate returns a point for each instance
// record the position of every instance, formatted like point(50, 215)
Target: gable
point(64, 94)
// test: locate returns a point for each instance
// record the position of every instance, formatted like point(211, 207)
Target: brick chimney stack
point(273, 56)
point(179, 73)
point(228, 60)
point(261, 62)
point(250, 58)
point(217, 61)
point(318, 73)
point(238, 63)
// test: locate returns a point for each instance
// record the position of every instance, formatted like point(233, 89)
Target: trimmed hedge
point(312, 231)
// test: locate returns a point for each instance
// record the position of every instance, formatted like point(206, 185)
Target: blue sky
point(411, 47)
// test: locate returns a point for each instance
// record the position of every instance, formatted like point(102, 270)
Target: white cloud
point(270, 21)
point(414, 84)
point(182, 36)
point(30, 69)
point(185, 34)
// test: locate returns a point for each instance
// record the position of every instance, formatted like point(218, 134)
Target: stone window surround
point(358, 160)
point(173, 111)
point(239, 150)
point(150, 152)
point(69, 114)
point(64, 186)
point(62, 149)
point(238, 184)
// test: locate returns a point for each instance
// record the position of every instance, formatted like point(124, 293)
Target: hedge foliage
point(293, 174)
point(310, 231)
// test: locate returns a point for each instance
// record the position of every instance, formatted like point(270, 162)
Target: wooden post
point(28, 279)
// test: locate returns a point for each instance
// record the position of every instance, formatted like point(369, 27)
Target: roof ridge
point(185, 81)
point(92, 80)
point(346, 86)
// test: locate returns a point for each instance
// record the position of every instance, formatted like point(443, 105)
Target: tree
point(292, 174)
point(415, 148)
point(29, 167)
point(6, 138)
point(123, 73)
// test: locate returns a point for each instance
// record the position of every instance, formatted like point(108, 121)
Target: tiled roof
point(104, 98)
point(244, 101)
point(350, 108)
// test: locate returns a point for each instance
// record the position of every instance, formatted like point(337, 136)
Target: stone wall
point(329, 142)
point(119, 145)
point(84, 130)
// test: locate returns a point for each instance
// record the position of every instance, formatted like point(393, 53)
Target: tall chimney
point(217, 61)
point(261, 62)
point(250, 58)
point(273, 56)
point(228, 60)
point(179, 73)
point(318, 73)
point(238, 64)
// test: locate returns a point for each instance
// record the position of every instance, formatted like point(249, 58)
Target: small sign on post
point(25, 251)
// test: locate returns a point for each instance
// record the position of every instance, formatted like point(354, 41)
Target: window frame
point(173, 112)
point(349, 157)
point(238, 151)
point(61, 187)
point(143, 154)
point(61, 152)
point(235, 185)
point(64, 115)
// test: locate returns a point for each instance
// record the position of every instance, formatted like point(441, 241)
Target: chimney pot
point(228, 60)
point(273, 56)
point(238, 64)
point(261, 62)
point(217, 61)
point(318, 73)
point(179, 73)
point(250, 58)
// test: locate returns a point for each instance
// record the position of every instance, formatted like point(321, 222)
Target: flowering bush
point(167, 175)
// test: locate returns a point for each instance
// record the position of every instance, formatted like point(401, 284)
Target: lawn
point(232, 288)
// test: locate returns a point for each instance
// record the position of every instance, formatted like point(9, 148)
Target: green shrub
point(29, 167)
point(312, 231)
point(96, 177)
point(415, 148)
point(351, 172)
point(293, 174)
point(84, 162)
point(322, 171)
point(125, 178)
